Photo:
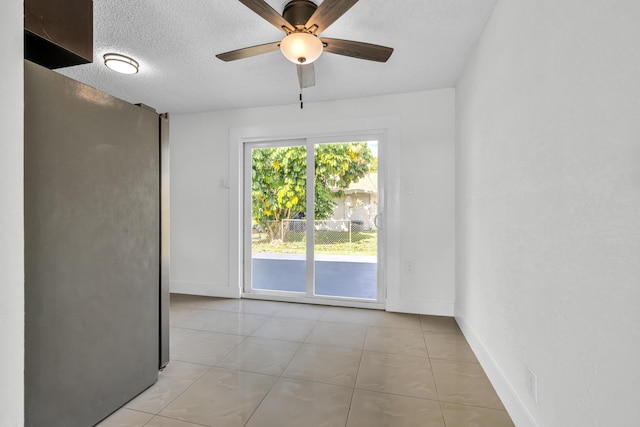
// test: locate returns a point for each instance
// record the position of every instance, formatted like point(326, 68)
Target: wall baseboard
point(204, 289)
point(420, 306)
point(510, 399)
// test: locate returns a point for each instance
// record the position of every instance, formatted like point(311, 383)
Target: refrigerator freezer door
point(91, 251)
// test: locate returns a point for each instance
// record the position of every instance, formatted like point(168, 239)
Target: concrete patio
point(336, 275)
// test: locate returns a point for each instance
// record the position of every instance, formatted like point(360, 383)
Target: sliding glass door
point(311, 221)
point(277, 186)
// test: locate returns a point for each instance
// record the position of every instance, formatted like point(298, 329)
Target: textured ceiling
point(175, 42)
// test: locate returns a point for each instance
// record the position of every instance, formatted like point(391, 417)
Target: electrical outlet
point(533, 384)
point(410, 267)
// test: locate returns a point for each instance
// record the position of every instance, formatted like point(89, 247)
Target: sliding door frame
point(386, 130)
point(310, 294)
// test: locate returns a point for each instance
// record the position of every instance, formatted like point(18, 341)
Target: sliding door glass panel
point(345, 210)
point(278, 218)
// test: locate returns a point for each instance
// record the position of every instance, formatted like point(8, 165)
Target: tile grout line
point(355, 382)
point(174, 419)
point(261, 400)
point(424, 338)
point(183, 391)
point(279, 376)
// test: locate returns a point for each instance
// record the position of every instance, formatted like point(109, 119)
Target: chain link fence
point(327, 232)
point(335, 236)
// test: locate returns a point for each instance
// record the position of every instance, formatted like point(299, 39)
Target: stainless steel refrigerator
point(96, 250)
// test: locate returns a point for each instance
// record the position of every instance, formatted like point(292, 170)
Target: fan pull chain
point(301, 103)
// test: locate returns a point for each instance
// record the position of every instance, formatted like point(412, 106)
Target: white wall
point(548, 208)
point(11, 217)
point(425, 150)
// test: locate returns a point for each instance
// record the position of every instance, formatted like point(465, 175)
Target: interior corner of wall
point(512, 402)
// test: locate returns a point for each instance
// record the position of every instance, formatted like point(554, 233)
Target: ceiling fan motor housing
point(298, 12)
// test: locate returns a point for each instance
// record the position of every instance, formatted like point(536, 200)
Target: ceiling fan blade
point(263, 9)
point(368, 51)
point(248, 52)
point(306, 75)
point(327, 13)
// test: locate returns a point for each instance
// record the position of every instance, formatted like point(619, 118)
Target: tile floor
point(272, 364)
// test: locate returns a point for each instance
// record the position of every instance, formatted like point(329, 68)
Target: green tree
point(279, 180)
point(374, 165)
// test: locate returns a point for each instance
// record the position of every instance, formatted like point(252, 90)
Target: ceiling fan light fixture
point(301, 48)
point(120, 63)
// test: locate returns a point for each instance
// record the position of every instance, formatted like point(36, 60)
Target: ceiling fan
point(302, 21)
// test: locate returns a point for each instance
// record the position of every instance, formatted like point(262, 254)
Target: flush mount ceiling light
point(120, 63)
point(301, 48)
